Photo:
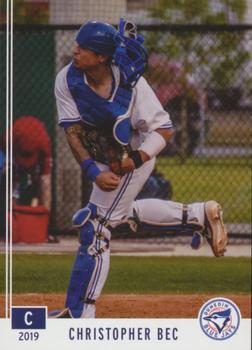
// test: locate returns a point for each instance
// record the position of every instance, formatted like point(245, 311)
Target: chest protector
point(99, 113)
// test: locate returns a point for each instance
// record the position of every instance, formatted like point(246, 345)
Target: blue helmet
point(130, 56)
point(100, 37)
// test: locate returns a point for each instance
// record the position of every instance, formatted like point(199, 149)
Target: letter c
point(28, 314)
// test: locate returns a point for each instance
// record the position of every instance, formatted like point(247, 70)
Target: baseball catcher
point(116, 127)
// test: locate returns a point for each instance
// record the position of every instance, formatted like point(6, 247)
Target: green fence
point(34, 74)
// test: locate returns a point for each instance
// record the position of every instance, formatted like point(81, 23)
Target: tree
point(26, 12)
point(216, 57)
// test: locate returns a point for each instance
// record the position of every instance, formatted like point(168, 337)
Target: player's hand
point(122, 167)
point(107, 181)
point(127, 165)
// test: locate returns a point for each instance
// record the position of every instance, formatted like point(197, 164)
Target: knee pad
point(84, 214)
point(82, 220)
point(90, 225)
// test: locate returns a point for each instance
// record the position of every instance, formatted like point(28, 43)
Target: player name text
point(122, 333)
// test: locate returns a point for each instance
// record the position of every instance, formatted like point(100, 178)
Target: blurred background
point(200, 66)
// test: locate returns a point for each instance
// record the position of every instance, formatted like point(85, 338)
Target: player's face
point(85, 59)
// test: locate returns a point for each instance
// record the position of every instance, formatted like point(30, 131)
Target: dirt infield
point(135, 305)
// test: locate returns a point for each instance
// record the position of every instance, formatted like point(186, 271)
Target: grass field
point(227, 180)
point(39, 273)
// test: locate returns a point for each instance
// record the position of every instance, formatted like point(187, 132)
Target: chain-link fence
point(202, 75)
point(138, 11)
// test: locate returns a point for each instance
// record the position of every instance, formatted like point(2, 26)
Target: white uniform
point(146, 115)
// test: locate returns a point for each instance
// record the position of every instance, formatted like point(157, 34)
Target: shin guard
point(94, 240)
point(82, 271)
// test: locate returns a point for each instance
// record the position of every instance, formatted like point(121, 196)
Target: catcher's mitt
point(103, 148)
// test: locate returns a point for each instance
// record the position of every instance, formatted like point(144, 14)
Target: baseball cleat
point(66, 313)
point(215, 231)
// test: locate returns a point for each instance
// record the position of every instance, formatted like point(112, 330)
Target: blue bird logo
point(219, 319)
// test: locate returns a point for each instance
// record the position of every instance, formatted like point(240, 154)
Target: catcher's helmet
point(100, 37)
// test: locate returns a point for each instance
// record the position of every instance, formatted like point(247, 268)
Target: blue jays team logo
point(219, 318)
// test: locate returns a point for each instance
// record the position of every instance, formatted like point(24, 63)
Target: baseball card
point(125, 175)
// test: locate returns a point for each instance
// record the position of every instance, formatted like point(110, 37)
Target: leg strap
point(134, 222)
point(103, 234)
point(95, 252)
point(184, 215)
point(89, 301)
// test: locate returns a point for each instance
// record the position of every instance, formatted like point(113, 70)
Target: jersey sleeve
point(147, 112)
point(66, 107)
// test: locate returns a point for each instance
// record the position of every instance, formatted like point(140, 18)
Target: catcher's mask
point(100, 37)
point(130, 56)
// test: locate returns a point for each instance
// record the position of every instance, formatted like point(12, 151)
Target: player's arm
point(73, 135)
point(106, 180)
point(166, 134)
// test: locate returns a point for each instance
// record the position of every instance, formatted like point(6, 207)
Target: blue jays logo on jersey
point(219, 318)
